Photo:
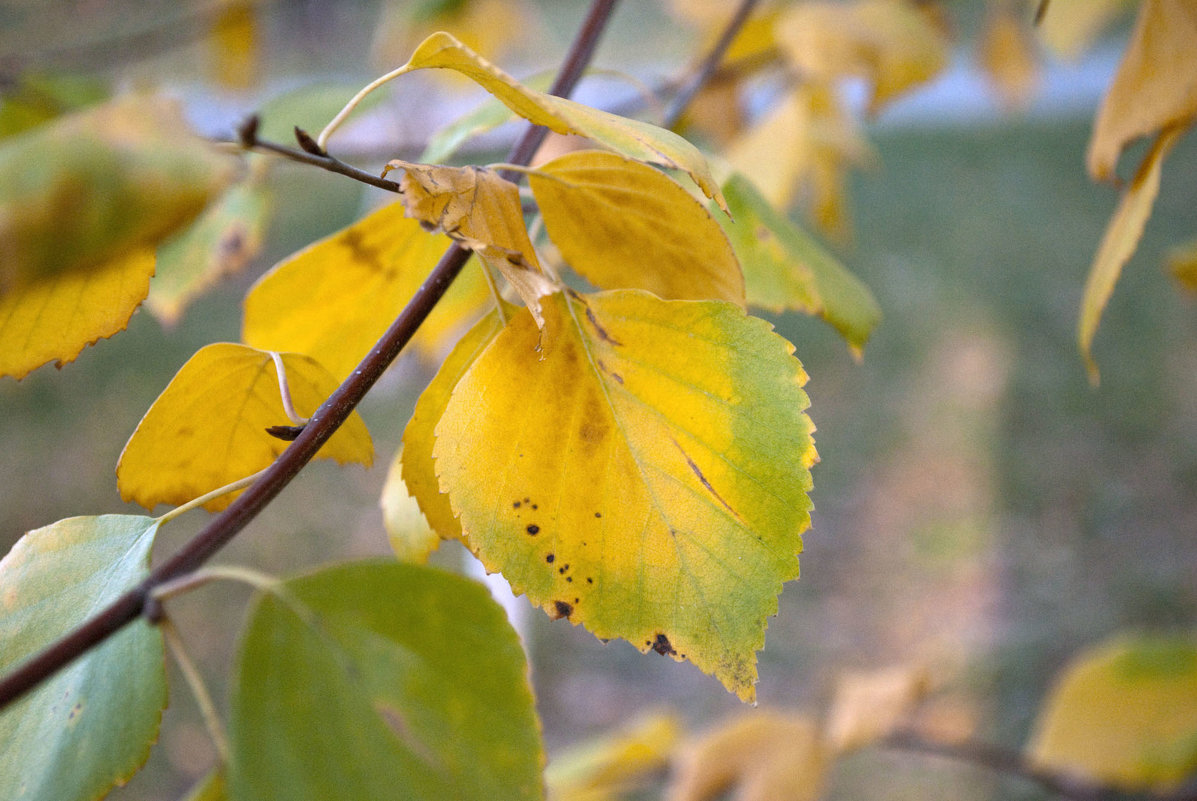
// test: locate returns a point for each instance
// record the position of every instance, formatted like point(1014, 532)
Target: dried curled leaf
point(868, 706)
point(656, 491)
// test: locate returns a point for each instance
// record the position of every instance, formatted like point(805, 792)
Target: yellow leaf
point(632, 138)
point(766, 755)
point(1155, 86)
point(218, 244)
point(786, 269)
point(1182, 263)
point(234, 45)
point(93, 186)
point(1007, 54)
point(1070, 26)
point(55, 318)
point(891, 43)
point(334, 299)
point(614, 763)
point(1119, 242)
point(485, 26)
point(868, 706)
point(641, 468)
point(1125, 714)
point(419, 472)
point(408, 532)
point(622, 224)
point(208, 427)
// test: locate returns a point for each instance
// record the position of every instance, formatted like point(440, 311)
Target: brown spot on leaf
point(533, 529)
point(515, 505)
point(562, 609)
point(598, 328)
point(662, 646)
point(703, 479)
point(550, 558)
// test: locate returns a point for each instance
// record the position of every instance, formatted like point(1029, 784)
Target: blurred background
point(981, 510)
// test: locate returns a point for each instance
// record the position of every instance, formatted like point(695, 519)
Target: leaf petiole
point(239, 484)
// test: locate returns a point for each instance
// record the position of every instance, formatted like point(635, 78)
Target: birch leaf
point(91, 725)
point(1155, 86)
point(419, 438)
point(786, 269)
point(1119, 241)
point(1182, 264)
point(623, 224)
point(208, 427)
point(632, 138)
point(409, 534)
point(1006, 52)
point(1070, 26)
point(335, 298)
point(1124, 714)
point(55, 318)
point(869, 706)
point(656, 490)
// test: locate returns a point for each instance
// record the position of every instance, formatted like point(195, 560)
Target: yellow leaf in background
point(786, 269)
point(91, 187)
point(1119, 242)
point(208, 427)
point(1182, 263)
point(219, 244)
point(1069, 27)
point(632, 138)
point(869, 706)
point(1007, 54)
point(233, 46)
point(891, 43)
point(1155, 86)
point(775, 154)
point(766, 755)
point(622, 224)
point(640, 468)
point(1125, 714)
point(408, 532)
point(754, 38)
point(335, 298)
point(419, 472)
point(484, 26)
point(614, 764)
point(57, 317)
point(32, 98)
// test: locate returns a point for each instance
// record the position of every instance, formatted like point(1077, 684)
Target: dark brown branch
point(708, 66)
point(322, 425)
point(248, 139)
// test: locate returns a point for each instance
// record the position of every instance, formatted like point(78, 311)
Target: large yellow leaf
point(419, 438)
point(1119, 242)
point(1125, 714)
point(1069, 27)
point(333, 299)
point(891, 43)
point(623, 224)
point(92, 186)
point(58, 316)
point(767, 755)
point(641, 468)
point(1156, 83)
point(633, 138)
point(208, 427)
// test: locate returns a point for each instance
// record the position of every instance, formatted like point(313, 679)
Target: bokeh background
point(980, 508)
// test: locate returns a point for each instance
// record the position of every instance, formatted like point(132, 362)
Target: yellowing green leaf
point(1124, 713)
point(209, 788)
point(56, 317)
point(90, 726)
point(334, 299)
point(1119, 242)
point(30, 99)
point(1156, 84)
point(382, 680)
point(868, 706)
point(96, 185)
point(614, 763)
point(640, 468)
point(419, 438)
point(1182, 263)
point(633, 138)
point(786, 269)
point(410, 536)
point(208, 427)
point(218, 244)
point(622, 224)
point(767, 755)
point(891, 43)
point(1069, 27)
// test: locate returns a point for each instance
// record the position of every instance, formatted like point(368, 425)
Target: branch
point(324, 422)
point(708, 65)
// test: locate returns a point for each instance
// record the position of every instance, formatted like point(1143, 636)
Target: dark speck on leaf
point(533, 529)
point(589, 580)
point(515, 505)
point(563, 609)
point(598, 514)
point(550, 558)
point(662, 646)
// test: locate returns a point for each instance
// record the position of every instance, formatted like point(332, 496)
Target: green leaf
point(378, 681)
point(33, 99)
point(1125, 714)
point(91, 725)
point(640, 467)
point(785, 269)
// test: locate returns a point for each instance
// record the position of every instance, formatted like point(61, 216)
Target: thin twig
point(324, 422)
point(247, 137)
point(199, 690)
point(708, 66)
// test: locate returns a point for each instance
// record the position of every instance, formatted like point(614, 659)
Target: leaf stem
point(284, 390)
point(223, 528)
point(239, 484)
point(199, 690)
